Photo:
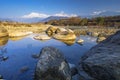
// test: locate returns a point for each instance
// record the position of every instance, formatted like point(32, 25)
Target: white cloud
point(35, 15)
point(97, 12)
point(41, 15)
point(62, 14)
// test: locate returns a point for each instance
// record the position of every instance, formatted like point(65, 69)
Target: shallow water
point(20, 65)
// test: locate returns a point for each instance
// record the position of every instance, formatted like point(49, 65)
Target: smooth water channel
point(16, 54)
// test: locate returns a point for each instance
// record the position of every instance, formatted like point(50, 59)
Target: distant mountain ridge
point(53, 18)
point(34, 20)
point(107, 13)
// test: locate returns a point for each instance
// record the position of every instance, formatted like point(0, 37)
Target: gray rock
point(102, 62)
point(52, 65)
point(1, 77)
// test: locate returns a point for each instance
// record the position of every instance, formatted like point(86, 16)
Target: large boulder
point(52, 65)
point(65, 35)
point(3, 32)
point(51, 30)
point(102, 62)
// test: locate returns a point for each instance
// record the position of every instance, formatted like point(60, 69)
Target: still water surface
point(19, 52)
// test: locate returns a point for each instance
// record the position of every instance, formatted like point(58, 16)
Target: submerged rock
point(102, 62)
point(24, 69)
point(4, 58)
point(52, 65)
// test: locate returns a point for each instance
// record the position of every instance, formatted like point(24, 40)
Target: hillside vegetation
point(111, 21)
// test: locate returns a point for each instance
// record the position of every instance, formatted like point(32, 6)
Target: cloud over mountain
point(42, 15)
point(35, 15)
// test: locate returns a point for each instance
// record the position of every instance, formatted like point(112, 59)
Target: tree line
point(111, 21)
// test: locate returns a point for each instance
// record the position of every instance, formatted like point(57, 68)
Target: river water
point(16, 54)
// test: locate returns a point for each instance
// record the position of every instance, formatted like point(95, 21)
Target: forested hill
point(111, 21)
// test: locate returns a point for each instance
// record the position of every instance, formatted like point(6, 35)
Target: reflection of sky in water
point(20, 54)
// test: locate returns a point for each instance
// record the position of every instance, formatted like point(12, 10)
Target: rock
point(65, 37)
point(102, 62)
point(69, 35)
point(102, 35)
point(52, 65)
point(80, 41)
point(51, 30)
point(99, 39)
point(3, 32)
point(95, 34)
point(35, 56)
point(74, 71)
point(5, 58)
point(60, 30)
point(1, 77)
point(24, 69)
point(42, 37)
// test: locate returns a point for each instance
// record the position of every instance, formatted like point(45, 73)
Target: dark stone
point(52, 65)
point(5, 58)
point(102, 62)
point(35, 56)
point(74, 71)
point(1, 77)
point(24, 69)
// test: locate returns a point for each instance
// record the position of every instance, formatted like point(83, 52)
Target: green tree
point(84, 22)
point(100, 21)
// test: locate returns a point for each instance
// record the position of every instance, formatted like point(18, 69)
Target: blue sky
point(34, 8)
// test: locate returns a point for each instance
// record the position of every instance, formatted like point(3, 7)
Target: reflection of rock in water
point(68, 42)
point(3, 32)
point(16, 38)
point(3, 41)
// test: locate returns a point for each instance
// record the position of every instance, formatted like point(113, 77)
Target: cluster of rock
point(65, 35)
point(100, 36)
point(101, 62)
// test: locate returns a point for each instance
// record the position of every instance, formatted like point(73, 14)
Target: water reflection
point(68, 42)
point(16, 38)
point(20, 49)
point(3, 41)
